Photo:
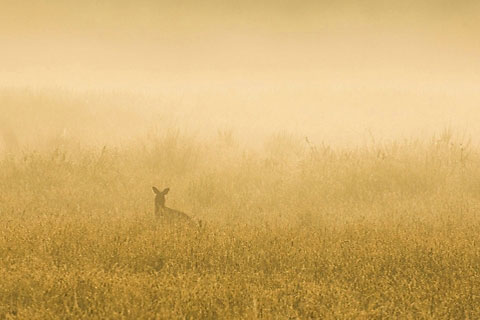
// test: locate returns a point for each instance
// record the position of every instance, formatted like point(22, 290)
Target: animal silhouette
point(165, 213)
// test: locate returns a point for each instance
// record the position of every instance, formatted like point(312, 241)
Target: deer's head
point(159, 198)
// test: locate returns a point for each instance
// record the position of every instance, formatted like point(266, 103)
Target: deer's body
point(165, 213)
point(172, 215)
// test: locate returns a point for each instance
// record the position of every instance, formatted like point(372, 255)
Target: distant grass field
point(295, 229)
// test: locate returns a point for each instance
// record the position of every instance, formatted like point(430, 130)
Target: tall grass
point(294, 230)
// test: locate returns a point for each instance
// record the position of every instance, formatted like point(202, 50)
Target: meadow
point(295, 228)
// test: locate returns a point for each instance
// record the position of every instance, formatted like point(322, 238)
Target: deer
point(169, 214)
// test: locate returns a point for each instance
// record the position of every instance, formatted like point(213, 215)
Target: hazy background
point(339, 72)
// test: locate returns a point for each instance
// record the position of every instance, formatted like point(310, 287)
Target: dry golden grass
point(294, 230)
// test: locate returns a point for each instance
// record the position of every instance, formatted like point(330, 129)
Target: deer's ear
point(155, 190)
point(165, 191)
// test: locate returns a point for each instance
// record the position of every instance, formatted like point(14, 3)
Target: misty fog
point(337, 72)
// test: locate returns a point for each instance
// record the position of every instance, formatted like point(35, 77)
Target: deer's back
point(175, 215)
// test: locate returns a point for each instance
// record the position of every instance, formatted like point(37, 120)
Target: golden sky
point(416, 59)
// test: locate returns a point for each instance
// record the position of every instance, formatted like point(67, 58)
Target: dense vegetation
point(295, 229)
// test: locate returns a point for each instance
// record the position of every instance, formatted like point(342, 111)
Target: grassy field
point(294, 229)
